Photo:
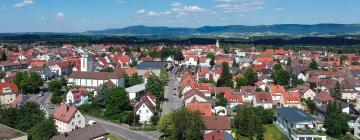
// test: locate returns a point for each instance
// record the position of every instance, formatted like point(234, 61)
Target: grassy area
point(273, 133)
point(114, 137)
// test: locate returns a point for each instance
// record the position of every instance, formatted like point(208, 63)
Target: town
point(111, 91)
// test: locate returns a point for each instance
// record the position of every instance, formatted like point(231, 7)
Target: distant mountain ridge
point(277, 29)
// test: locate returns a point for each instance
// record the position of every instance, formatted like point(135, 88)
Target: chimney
point(67, 108)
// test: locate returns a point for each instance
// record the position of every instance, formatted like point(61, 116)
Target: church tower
point(217, 43)
point(86, 62)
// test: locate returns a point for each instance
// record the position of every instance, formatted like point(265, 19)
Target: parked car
point(91, 122)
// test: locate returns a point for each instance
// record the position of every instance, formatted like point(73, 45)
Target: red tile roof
point(64, 113)
point(217, 123)
point(263, 97)
point(292, 97)
point(204, 108)
point(14, 88)
point(277, 89)
point(323, 97)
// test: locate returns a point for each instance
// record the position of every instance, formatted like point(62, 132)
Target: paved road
point(174, 102)
point(124, 132)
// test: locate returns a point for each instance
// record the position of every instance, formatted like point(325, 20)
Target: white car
point(91, 122)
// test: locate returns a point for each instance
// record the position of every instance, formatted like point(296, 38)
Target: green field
point(114, 137)
point(271, 133)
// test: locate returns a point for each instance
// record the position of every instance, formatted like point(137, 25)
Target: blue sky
point(83, 15)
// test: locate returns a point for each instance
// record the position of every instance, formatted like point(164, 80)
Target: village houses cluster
point(87, 69)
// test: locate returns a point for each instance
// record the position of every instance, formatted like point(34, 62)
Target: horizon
point(80, 16)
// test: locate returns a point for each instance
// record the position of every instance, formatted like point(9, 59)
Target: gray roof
point(294, 115)
point(136, 88)
point(86, 133)
point(151, 65)
point(10, 133)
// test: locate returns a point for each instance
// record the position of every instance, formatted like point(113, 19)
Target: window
point(139, 111)
point(147, 111)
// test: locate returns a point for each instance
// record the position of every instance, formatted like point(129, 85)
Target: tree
point(343, 57)
point(155, 119)
point(3, 56)
point(116, 101)
point(288, 62)
point(282, 77)
point(251, 76)
point(335, 121)
point(44, 130)
point(311, 104)
point(28, 82)
point(249, 124)
point(241, 82)
point(164, 76)
point(277, 67)
point(55, 87)
point(2, 74)
point(63, 81)
point(101, 95)
point(226, 76)
point(314, 65)
point(135, 80)
point(188, 125)
point(155, 86)
point(212, 62)
point(28, 116)
point(336, 93)
point(126, 80)
point(221, 100)
point(166, 124)
point(210, 55)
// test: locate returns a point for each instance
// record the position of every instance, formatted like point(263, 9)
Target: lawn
point(114, 137)
point(273, 133)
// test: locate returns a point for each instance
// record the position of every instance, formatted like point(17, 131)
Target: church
point(88, 78)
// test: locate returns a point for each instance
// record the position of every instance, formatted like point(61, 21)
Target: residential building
point(77, 97)
point(68, 118)
point(153, 66)
point(204, 108)
point(8, 91)
point(145, 108)
point(263, 99)
point(91, 132)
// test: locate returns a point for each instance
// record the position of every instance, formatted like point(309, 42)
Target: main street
point(173, 101)
point(128, 134)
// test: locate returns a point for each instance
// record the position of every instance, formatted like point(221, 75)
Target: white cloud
point(185, 10)
point(278, 9)
point(141, 11)
point(60, 16)
point(120, 1)
point(175, 4)
point(152, 14)
point(23, 3)
point(41, 18)
point(240, 6)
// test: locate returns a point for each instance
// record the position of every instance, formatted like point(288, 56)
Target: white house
point(76, 97)
point(68, 118)
point(263, 99)
point(191, 61)
point(145, 108)
point(95, 79)
point(134, 91)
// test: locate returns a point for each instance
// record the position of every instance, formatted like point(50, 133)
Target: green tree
point(116, 101)
point(241, 82)
point(314, 65)
point(63, 81)
point(226, 76)
point(28, 116)
point(251, 76)
point(164, 76)
point(155, 86)
point(3, 56)
point(336, 122)
point(135, 80)
point(166, 124)
point(311, 104)
point(126, 80)
point(277, 67)
point(288, 62)
point(210, 55)
point(28, 82)
point(101, 95)
point(188, 125)
point(212, 62)
point(155, 119)
point(55, 87)
point(336, 92)
point(44, 130)
point(221, 100)
point(282, 77)
point(2, 74)
point(248, 124)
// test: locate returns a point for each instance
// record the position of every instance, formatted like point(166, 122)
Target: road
point(174, 102)
point(124, 132)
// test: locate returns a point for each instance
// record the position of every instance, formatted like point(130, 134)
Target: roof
point(204, 108)
point(292, 97)
point(145, 100)
point(263, 97)
point(136, 88)
point(277, 89)
point(323, 97)
point(216, 123)
point(14, 88)
point(95, 75)
point(218, 135)
point(153, 65)
point(64, 113)
point(86, 133)
point(293, 115)
point(9, 133)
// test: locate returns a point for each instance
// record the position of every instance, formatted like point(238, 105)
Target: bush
point(56, 99)
point(154, 119)
point(128, 117)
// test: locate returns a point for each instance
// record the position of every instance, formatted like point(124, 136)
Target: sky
point(84, 15)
